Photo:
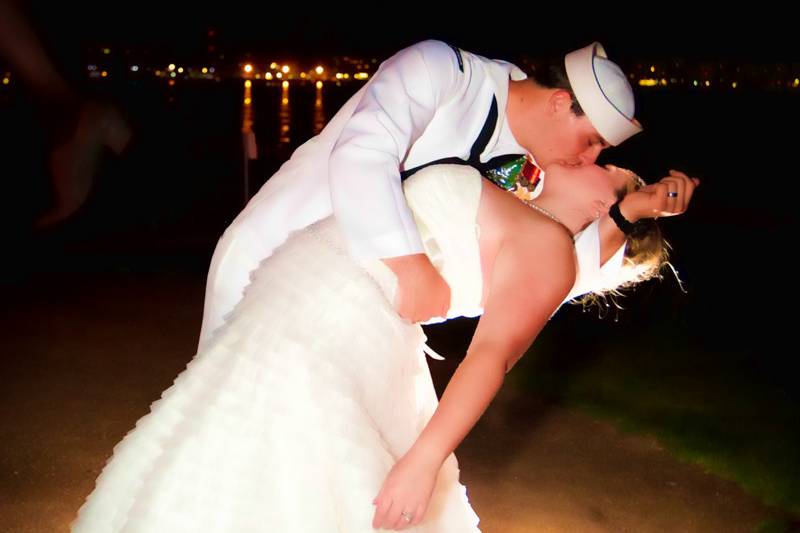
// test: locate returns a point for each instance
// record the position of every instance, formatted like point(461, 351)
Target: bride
point(312, 408)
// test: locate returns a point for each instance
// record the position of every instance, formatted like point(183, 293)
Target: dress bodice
point(444, 200)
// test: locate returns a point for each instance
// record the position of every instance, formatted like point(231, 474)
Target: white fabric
point(603, 92)
point(418, 107)
point(590, 279)
point(297, 408)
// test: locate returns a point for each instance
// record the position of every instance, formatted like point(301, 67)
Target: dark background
point(180, 185)
point(182, 178)
point(762, 33)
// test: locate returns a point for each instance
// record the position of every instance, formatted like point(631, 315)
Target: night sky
point(653, 31)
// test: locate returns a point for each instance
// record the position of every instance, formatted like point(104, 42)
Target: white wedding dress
point(289, 420)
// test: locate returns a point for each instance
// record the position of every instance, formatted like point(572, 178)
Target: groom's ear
point(560, 103)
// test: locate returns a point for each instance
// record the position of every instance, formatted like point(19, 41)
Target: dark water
point(164, 204)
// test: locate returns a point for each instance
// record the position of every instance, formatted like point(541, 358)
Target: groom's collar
point(502, 141)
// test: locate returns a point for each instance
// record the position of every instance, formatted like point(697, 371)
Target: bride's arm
point(611, 237)
point(650, 201)
point(530, 278)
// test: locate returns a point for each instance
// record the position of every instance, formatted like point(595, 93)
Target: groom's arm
point(364, 166)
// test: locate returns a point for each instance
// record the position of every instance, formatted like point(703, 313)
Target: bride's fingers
point(406, 524)
point(659, 198)
point(690, 186)
point(398, 523)
point(686, 189)
point(676, 200)
point(661, 203)
point(394, 519)
point(419, 512)
point(381, 512)
point(674, 172)
point(685, 176)
point(691, 182)
point(402, 523)
point(673, 201)
point(679, 200)
point(668, 204)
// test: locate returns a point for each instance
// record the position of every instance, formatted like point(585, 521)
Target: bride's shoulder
point(543, 251)
point(523, 232)
point(499, 206)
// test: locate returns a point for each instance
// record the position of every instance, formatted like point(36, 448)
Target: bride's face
point(591, 189)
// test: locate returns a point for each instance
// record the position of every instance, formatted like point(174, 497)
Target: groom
point(429, 103)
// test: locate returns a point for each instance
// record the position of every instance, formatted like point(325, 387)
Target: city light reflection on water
point(285, 115)
point(286, 118)
point(319, 110)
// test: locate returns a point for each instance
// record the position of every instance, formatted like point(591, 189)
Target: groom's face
point(572, 141)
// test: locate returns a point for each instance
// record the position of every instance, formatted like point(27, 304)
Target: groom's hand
point(422, 293)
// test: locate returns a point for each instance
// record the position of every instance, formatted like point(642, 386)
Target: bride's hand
point(407, 487)
point(655, 200)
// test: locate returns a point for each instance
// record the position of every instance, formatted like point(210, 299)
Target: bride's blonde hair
point(646, 254)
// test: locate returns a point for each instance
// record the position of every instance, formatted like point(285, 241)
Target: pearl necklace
point(546, 213)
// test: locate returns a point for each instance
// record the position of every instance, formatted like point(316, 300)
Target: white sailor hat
point(603, 92)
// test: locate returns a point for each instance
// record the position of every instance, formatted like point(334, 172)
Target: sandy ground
point(84, 355)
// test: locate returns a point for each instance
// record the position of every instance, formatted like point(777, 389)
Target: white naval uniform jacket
point(428, 102)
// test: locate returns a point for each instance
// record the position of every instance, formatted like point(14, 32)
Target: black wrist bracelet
point(624, 225)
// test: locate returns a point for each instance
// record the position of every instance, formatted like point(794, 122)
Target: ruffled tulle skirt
point(290, 418)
